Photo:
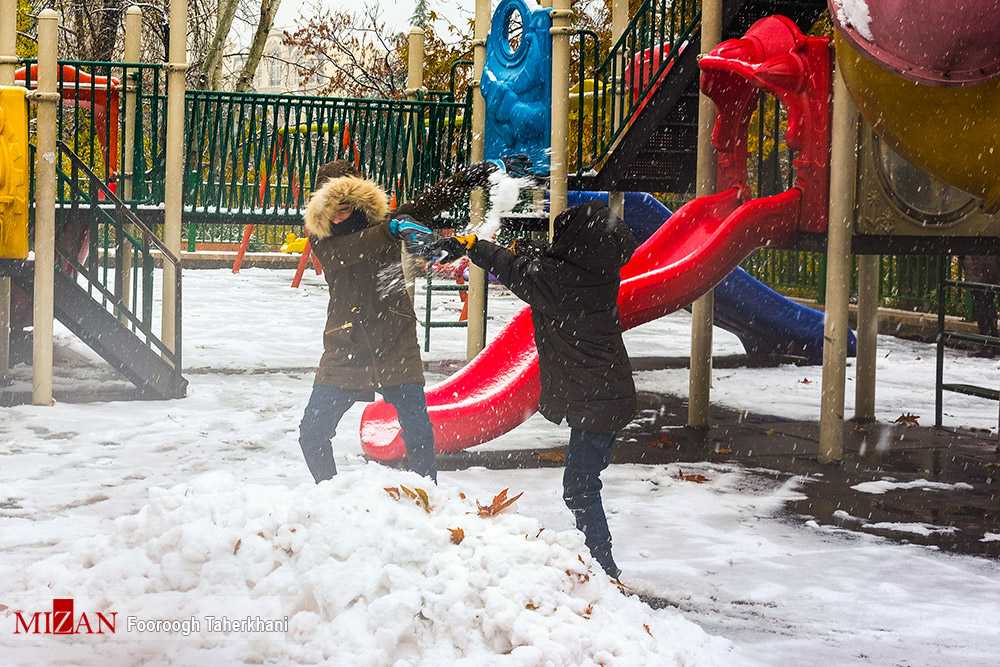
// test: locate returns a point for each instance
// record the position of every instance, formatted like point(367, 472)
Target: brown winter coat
point(370, 339)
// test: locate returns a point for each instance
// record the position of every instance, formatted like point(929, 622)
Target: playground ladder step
point(105, 334)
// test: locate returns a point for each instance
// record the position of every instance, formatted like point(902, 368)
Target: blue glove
point(415, 236)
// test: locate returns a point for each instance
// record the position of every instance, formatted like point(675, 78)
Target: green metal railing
point(907, 282)
point(253, 157)
point(622, 82)
point(91, 121)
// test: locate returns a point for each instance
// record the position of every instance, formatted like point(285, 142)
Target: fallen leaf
point(423, 500)
point(696, 478)
point(530, 606)
point(724, 450)
point(239, 543)
point(555, 457)
point(769, 431)
point(457, 535)
point(663, 441)
point(805, 381)
point(647, 630)
point(539, 532)
point(588, 611)
point(499, 504)
point(907, 418)
point(393, 492)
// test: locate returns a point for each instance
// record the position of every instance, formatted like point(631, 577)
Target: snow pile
point(365, 576)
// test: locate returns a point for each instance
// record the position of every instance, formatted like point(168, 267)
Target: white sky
point(395, 12)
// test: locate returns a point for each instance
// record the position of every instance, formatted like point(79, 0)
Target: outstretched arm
point(527, 277)
point(445, 194)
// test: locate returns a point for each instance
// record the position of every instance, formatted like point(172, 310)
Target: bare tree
point(268, 10)
point(212, 67)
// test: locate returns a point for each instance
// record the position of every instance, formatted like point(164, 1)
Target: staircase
point(91, 301)
point(655, 147)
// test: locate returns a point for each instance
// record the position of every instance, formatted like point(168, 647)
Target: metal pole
point(702, 310)
point(561, 15)
point(838, 272)
point(133, 44)
point(414, 84)
point(864, 385)
point(476, 333)
point(174, 171)
point(8, 64)
point(45, 208)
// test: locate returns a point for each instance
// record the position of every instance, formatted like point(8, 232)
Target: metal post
point(133, 44)
point(174, 171)
point(702, 310)
point(838, 272)
point(8, 64)
point(476, 333)
point(561, 15)
point(8, 41)
point(414, 83)
point(45, 208)
point(864, 385)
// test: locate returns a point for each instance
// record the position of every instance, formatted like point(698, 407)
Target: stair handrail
point(643, 33)
point(120, 207)
point(148, 237)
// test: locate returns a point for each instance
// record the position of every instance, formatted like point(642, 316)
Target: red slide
point(695, 249)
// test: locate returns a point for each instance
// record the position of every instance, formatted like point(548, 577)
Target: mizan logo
point(62, 621)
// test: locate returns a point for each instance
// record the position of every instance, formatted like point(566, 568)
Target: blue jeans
point(589, 454)
point(326, 408)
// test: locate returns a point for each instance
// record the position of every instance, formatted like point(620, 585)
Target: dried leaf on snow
point(698, 479)
point(457, 535)
point(499, 504)
point(907, 418)
point(555, 457)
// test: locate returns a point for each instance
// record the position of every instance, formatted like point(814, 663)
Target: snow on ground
point(181, 510)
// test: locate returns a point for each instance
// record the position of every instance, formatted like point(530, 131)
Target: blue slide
point(766, 323)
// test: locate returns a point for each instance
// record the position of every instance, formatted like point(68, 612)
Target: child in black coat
point(586, 379)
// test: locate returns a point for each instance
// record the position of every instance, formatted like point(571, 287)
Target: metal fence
point(252, 157)
point(906, 282)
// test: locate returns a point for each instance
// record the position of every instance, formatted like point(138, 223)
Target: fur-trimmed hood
point(363, 195)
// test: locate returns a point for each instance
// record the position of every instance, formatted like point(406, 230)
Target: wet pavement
point(957, 510)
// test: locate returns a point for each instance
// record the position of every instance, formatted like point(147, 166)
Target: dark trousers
point(326, 408)
point(589, 454)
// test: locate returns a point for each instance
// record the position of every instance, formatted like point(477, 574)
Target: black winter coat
point(572, 288)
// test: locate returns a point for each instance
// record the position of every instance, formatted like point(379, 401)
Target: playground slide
point(702, 243)
point(767, 323)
